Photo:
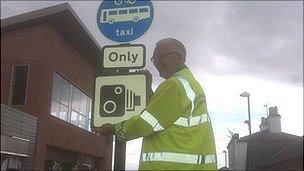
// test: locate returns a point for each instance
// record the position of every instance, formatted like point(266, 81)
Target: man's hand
point(106, 129)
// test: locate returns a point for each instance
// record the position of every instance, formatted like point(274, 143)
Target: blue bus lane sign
point(124, 20)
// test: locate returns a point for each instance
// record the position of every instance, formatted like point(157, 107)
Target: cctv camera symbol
point(115, 100)
point(132, 100)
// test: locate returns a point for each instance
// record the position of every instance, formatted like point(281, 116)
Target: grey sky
point(260, 39)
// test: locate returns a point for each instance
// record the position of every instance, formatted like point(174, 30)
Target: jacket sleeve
point(167, 104)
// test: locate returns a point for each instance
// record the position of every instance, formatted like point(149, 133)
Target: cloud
point(260, 39)
point(264, 38)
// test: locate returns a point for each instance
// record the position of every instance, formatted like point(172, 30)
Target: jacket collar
point(180, 71)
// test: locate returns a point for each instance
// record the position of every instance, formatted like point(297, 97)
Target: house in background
point(49, 62)
point(269, 149)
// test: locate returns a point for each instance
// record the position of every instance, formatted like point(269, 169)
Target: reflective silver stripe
point(192, 121)
point(151, 120)
point(190, 93)
point(178, 158)
point(210, 159)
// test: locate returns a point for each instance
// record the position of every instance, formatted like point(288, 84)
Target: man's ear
point(179, 61)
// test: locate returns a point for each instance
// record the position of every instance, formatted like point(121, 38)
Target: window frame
point(113, 12)
point(72, 86)
point(11, 89)
point(133, 11)
point(143, 10)
point(123, 12)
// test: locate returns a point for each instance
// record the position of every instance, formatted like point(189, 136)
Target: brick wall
point(45, 50)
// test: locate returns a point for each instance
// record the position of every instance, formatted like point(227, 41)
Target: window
point(112, 12)
point(132, 11)
point(70, 104)
point(18, 85)
point(143, 10)
point(123, 11)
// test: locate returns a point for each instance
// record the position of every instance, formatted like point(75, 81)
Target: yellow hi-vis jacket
point(175, 126)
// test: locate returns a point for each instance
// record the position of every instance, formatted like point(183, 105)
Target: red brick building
point(49, 62)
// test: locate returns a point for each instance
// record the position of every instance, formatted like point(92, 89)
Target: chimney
point(231, 149)
point(263, 125)
point(274, 120)
point(237, 153)
point(235, 136)
point(233, 139)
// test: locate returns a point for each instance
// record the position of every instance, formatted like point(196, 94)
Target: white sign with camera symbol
point(118, 98)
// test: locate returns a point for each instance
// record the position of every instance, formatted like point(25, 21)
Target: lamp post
point(245, 94)
point(266, 106)
point(225, 157)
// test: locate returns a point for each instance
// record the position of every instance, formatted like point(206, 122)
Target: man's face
point(157, 61)
point(163, 59)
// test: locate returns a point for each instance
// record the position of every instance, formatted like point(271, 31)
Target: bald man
point(175, 126)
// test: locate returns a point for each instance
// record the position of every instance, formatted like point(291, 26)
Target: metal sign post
point(119, 154)
point(120, 148)
point(120, 94)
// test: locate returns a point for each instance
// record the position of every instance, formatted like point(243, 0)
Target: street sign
point(124, 56)
point(124, 20)
point(118, 98)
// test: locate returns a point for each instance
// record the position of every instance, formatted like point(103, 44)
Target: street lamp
point(266, 106)
point(225, 157)
point(245, 94)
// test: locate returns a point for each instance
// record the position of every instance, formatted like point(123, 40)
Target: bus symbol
point(125, 14)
